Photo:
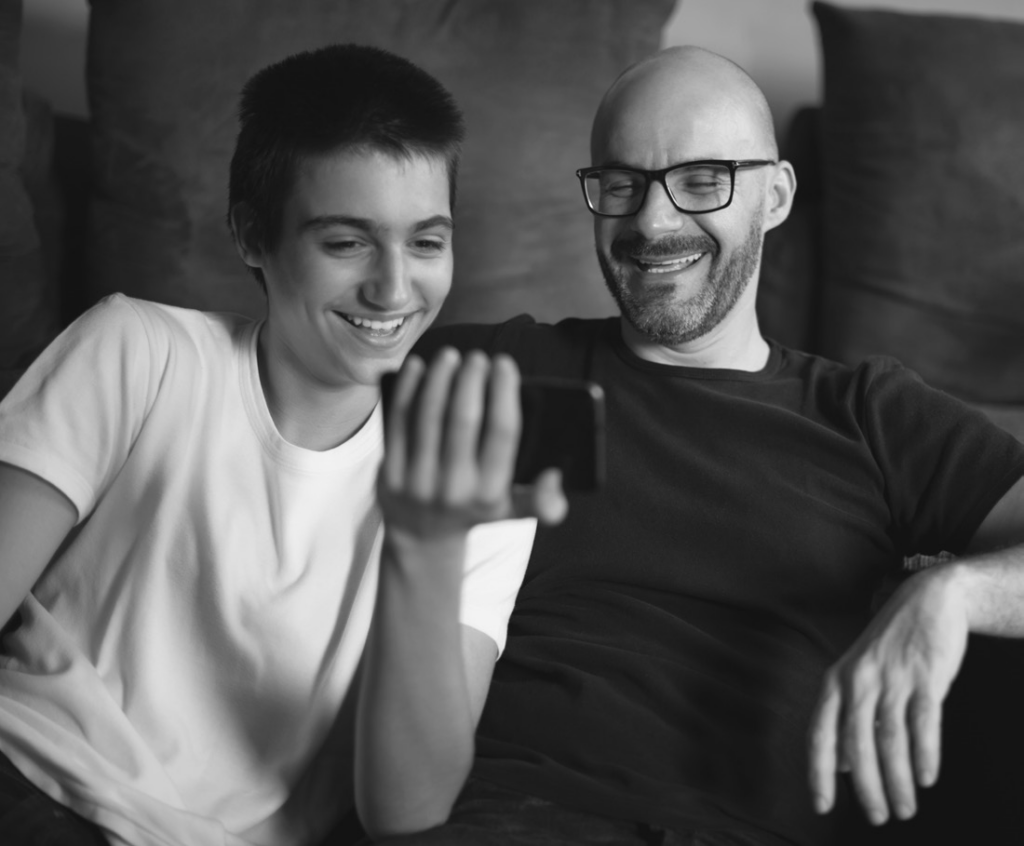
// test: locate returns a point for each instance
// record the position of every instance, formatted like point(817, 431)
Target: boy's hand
point(452, 434)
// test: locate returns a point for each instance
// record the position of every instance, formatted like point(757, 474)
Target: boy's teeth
point(374, 325)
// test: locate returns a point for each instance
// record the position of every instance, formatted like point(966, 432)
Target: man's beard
point(653, 309)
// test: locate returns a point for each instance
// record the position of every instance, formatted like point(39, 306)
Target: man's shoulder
point(860, 377)
point(538, 348)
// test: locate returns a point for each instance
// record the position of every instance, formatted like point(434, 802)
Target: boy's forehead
point(369, 164)
point(370, 183)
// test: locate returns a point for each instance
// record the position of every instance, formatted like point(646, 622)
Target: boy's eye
point(341, 244)
point(430, 245)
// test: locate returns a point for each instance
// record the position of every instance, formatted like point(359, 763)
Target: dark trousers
point(28, 817)
point(488, 815)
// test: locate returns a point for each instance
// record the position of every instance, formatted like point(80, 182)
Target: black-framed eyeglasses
point(696, 187)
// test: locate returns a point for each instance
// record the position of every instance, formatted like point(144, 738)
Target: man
point(190, 539)
point(670, 643)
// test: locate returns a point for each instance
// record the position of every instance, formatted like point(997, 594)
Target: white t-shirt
point(184, 655)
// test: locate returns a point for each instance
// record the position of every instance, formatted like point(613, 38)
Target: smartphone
point(563, 427)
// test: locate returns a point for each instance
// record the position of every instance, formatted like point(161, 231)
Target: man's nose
point(658, 215)
point(389, 288)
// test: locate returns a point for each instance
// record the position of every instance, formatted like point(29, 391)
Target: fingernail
point(877, 817)
point(821, 804)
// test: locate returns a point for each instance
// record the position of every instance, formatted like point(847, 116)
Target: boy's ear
point(242, 230)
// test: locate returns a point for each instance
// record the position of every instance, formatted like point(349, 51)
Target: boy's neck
point(310, 415)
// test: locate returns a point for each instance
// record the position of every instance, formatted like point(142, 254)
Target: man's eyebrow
point(325, 221)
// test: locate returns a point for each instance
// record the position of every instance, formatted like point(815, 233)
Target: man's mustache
point(633, 246)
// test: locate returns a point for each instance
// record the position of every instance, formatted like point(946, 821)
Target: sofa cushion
point(789, 287)
point(923, 133)
point(27, 314)
point(163, 82)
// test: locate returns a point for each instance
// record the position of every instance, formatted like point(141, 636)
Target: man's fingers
point(428, 419)
point(893, 744)
point(925, 717)
point(823, 761)
point(500, 438)
point(396, 432)
point(858, 749)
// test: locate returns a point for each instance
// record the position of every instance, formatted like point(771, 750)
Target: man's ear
point(243, 231)
point(781, 191)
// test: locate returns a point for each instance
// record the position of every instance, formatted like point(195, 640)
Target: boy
point(189, 539)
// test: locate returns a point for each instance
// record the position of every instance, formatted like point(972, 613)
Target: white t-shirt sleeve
point(496, 559)
point(73, 416)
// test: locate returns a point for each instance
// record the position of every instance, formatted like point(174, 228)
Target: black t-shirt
point(669, 641)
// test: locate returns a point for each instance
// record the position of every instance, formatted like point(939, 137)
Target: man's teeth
point(374, 325)
point(668, 266)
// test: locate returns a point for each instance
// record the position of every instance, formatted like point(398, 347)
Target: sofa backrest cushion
point(163, 81)
point(923, 243)
point(28, 314)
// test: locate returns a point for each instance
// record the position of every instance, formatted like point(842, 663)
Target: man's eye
point(621, 188)
point(699, 181)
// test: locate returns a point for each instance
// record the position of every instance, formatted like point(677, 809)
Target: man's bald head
point(689, 91)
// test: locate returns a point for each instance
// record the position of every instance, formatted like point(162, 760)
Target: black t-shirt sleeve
point(944, 463)
point(538, 348)
point(465, 337)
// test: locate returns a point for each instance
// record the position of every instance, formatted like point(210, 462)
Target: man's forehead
point(656, 134)
point(683, 104)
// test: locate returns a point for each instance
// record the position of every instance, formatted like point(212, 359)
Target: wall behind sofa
point(773, 39)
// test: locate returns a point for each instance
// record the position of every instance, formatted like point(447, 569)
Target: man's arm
point(34, 519)
point(880, 712)
point(452, 435)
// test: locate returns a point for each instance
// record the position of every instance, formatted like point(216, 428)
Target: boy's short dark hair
point(336, 97)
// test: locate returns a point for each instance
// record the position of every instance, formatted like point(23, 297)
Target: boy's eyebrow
point(324, 221)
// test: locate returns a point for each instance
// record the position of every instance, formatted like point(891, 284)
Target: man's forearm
point(879, 714)
point(992, 586)
point(414, 744)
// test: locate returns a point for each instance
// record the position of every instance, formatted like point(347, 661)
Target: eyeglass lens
point(696, 188)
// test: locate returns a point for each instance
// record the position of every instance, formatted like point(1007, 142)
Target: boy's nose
point(389, 288)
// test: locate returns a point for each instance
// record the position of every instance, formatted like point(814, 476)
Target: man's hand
point(880, 713)
point(452, 435)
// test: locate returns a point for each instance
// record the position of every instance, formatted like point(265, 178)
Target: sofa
point(906, 238)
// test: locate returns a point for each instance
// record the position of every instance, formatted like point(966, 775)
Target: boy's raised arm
point(452, 435)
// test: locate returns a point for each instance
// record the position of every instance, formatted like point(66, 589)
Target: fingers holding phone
point(452, 431)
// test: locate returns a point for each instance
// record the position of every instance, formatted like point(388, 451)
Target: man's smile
point(669, 265)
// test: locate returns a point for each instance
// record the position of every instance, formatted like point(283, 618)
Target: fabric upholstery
point(27, 314)
point(163, 81)
point(923, 130)
point(788, 292)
